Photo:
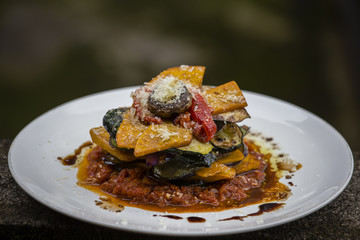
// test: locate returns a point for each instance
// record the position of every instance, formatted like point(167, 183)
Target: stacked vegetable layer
point(183, 130)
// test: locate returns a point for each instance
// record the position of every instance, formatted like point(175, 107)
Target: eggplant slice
point(113, 119)
point(184, 161)
point(234, 116)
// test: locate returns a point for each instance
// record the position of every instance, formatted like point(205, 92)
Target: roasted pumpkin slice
point(249, 163)
point(129, 131)
point(235, 156)
point(225, 98)
point(188, 74)
point(159, 137)
point(217, 171)
point(101, 137)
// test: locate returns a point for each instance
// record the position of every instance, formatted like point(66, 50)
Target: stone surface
point(24, 218)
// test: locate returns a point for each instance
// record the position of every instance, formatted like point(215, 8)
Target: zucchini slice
point(196, 146)
point(228, 138)
point(199, 153)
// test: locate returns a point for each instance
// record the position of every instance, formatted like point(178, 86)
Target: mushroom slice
point(169, 97)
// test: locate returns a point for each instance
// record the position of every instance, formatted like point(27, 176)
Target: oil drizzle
point(71, 159)
point(191, 219)
point(266, 207)
point(240, 218)
point(172, 217)
point(196, 219)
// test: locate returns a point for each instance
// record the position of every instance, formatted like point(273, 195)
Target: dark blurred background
point(302, 51)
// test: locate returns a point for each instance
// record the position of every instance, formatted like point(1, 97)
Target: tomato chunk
point(200, 112)
point(143, 113)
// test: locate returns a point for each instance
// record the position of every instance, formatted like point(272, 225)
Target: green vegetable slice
point(180, 166)
point(184, 161)
point(228, 138)
point(113, 119)
point(197, 147)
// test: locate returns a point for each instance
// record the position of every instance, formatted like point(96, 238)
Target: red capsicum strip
point(201, 113)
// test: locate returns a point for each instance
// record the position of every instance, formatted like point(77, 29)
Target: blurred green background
point(304, 52)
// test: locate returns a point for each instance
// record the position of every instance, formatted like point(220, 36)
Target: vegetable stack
point(178, 129)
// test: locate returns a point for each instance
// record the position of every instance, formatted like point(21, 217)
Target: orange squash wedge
point(129, 132)
point(188, 74)
point(159, 137)
point(225, 98)
point(101, 137)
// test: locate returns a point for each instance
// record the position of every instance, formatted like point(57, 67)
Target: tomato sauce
point(132, 187)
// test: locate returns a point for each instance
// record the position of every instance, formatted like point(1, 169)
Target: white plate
point(326, 158)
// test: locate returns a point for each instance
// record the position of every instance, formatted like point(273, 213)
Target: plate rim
point(171, 233)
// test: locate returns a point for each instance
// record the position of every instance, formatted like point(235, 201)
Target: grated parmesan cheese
point(168, 90)
point(184, 67)
point(162, 131)
point(288, 165)
point(230, 96)
point(187, 68)
point(141, 96)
